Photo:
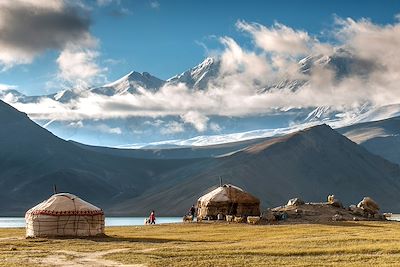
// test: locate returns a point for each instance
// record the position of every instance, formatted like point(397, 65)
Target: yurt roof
point(65, 204)
point(228, 193)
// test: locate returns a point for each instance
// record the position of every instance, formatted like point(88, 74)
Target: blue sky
point(167, 37)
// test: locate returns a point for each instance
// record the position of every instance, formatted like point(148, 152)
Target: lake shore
point(212, 244)
point(18, 222)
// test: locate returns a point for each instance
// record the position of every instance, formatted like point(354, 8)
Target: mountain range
point(310, 164)
point(138, 131)
point(379, 137)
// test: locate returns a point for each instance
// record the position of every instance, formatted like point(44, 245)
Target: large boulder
point(268, 216)
point(334, 202)
point(253, 219)
point(369, 205)
point(295, 202)
point(356, 210)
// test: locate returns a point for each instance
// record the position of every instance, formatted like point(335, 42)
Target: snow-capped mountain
point(14, 96)
point(65, 96)
point(9, 95)
point(199, 76)
point(342, 62)
point(131, 83)
point(145, 130)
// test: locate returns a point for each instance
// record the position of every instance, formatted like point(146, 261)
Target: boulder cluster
point(298, 211)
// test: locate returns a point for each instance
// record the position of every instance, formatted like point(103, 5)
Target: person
point(152, 217)
point(192, 211)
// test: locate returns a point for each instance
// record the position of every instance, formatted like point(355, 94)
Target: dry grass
point(337, 244)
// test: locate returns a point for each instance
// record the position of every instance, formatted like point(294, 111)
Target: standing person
point(152, 217)
point(192, 211)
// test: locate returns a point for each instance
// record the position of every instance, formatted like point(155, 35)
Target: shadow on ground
point(107, 238)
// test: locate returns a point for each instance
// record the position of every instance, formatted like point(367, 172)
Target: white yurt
point(227, 200)
point(64, 214)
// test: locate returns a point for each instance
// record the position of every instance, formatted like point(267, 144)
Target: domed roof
point(64, 204)
point(228, 193)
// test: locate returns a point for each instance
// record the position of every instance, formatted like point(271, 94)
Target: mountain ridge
point(292, 166)
point(309, 164)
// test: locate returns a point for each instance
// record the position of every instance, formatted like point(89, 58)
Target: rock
point(378, 216)
point(229, 218)
point(295, 202)
point(187, 218)
point(337, 203)
point(356, 210)
point(297, 213)
point(238, 219)
point(387, 216)
point(269, 216)
point(334, 202)
point(281, 216)
point(337, 217)
point(253, 219)
point(369, 205)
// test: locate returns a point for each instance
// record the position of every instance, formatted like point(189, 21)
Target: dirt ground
point(64, 258)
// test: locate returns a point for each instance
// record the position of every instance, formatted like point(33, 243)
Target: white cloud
point(278, 38)
point(236, 60)
point(215, 127)
point(172, 127)
point(45, 25)
point(154, 4)
point(59, 25)
point(4, 86)
point(76, 124)
point(78, 65)
point(107, 129)
point(112, 61)
point(198, 120)
point(105, 2)
point(372, 64)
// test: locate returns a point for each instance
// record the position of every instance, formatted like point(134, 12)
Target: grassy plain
point(213, 244)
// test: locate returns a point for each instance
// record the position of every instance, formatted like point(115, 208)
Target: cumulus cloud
point(29, 28)
point(198, 120)
point(278, 38)
point(360, 68)
point(242, 69)
point(78, 65)
point(371, 41)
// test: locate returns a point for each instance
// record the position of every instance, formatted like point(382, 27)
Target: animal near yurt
point(64, 214)
point(227, 200)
